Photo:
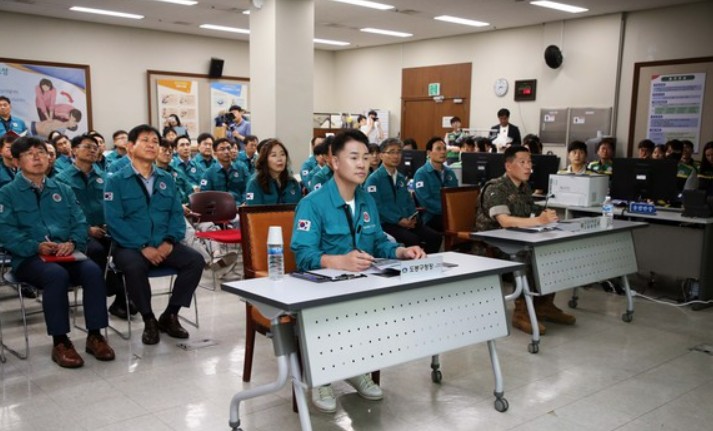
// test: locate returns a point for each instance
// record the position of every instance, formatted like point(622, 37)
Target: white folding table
point(352, 327)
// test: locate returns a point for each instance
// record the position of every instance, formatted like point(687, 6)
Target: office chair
point(459, 206)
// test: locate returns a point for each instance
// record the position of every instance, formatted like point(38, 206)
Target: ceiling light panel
point(105, 12)
point(369, 4)
point(385, 32)
point(464, 21)
point(559, 6)
point(225, 28)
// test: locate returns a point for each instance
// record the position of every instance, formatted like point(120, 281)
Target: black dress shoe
point(118, 309)
point(28, 292)
point(151, 332)
point(169, 324)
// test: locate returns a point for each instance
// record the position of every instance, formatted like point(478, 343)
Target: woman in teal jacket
point(272, 183)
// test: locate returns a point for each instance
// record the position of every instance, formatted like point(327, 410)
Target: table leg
point(627, 316)
point(534, 345)
point(501, 404)
point(436, 375)
point(285, 348)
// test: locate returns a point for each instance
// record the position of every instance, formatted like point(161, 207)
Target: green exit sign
point(434, 89)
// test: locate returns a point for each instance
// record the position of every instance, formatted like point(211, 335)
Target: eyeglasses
point(393, 152)
point(90, 147)
point(34, 154)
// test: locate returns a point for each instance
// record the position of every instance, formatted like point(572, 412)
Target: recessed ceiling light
point(369, 4)
point(464, 21)
point(559, 6)
point(181, 2)
point(386, 32)
point(246, 12)
point(106, 12)
point(224, 28)
point(331, 42)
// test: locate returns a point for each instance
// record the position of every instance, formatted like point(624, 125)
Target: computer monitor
point(411, 160)
point(481, 167)
point(543, 165)
point(639, 179)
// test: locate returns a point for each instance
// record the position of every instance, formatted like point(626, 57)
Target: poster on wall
point(178, 97)
point(224, 95)
point(676, 104)
point(47, 96)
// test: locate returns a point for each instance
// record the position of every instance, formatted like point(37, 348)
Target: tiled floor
point(601, 374)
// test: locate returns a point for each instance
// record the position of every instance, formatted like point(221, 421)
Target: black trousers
point(135, 267)
point(421, 235)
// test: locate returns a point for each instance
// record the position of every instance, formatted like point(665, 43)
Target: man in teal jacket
point(226, 176)
point(397, 210)
point(204, 159)
point(428, 181)
point(249, 155)
point(184, 165)
point(338, 227)
point(87, 183)
point(145, 219)
point(41, 221)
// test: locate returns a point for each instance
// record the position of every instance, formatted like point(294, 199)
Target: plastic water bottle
point(275, 253)
point(607, 214)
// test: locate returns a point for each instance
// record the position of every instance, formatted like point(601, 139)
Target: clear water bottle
point(607, 213)
point(275, 253)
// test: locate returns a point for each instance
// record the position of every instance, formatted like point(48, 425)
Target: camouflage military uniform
point(600, 167)
point(502, 196)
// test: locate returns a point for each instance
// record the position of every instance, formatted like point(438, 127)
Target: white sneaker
point(366, 387)
point(323, 398)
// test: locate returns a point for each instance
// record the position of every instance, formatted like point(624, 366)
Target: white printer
point(578, 190)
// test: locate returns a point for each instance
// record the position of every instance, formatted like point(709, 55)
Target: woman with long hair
point(273, 183)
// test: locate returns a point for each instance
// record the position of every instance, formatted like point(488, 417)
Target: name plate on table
point(582, 224)
point(642, 208)
point(431, 265)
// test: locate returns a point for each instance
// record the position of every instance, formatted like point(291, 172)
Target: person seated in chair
point(145, 220)
point(397, 210)
point(272, 183)
point(226, 176)
point(605, 152)
point(428, 181)
point(507, 202)
point(87, 183)
point(338, 227)
point(577, 156)
point(40, 219)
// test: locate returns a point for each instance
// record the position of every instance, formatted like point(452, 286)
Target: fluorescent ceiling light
point(386, 32)
point(331, 42)
point(224, 28)
point(181, 2)
point(464, 21)
point(369, 4)
point(246, 12)
point(105, 12)
point(559, 6)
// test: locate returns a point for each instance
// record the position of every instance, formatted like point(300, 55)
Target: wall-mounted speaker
point(553, 56)
point(216, 68)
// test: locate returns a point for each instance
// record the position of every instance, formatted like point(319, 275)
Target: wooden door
point(421, 119)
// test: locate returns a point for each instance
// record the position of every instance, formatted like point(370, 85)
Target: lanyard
point(350, 222)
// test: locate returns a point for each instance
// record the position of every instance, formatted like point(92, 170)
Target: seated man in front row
point(145, 219)
point(507, 202)
point(39, 217)
point(338, 227)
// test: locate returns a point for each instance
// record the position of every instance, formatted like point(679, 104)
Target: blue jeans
point(55, 279)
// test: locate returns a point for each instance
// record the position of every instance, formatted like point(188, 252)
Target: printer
point(578, 190)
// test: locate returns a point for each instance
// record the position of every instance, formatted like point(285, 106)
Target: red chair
point(220, 209)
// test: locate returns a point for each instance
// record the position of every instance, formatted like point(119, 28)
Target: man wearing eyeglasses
point(87, 183)
point(40, 222)
point(145, 220)
point(226, 176)
point(397, 210)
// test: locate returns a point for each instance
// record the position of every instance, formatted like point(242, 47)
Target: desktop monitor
point(542, 167)
point(481, 167)
point(411, 160)
point(639, 179)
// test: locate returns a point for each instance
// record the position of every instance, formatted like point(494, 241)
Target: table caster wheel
point(436, 376)
point(572, 303)
point(628, 316)
point(533, 347)
point(501, 405)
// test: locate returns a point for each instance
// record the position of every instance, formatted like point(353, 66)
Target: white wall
point(662, 34)
point(371, 77)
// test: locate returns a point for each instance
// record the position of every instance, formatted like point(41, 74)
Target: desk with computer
point(679, 240)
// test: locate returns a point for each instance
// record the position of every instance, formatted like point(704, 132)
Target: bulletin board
point(650, 116)
point(195, 98)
